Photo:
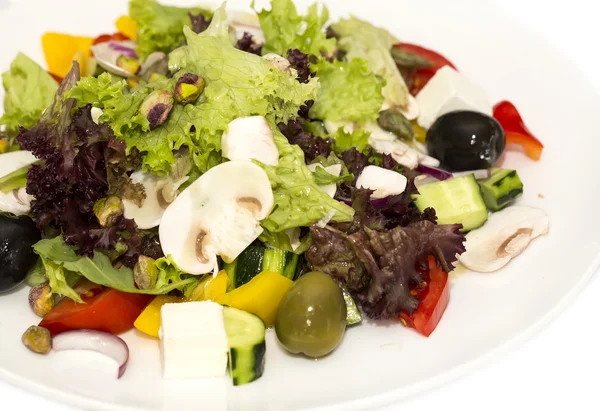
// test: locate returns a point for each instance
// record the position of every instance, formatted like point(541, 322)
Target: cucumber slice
point(353, 316)
point(455, 201)
point(501, 189)
point(256, 259)
point(247, 348)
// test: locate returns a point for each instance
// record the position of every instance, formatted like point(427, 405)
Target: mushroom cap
point(150, 213)
point(503, 237)
point(250, 138)
point(217, 215)
point(382, 181)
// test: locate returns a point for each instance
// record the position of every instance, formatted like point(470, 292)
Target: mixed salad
point(201, 176)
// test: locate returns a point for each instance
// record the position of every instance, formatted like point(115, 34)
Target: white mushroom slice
point(11, 162)
point(218, 215)
point(384, 182)
point(503, 237)
point(242, 22)
point(281, 63)
point(107, 55)
point(16, 202)
point(334, 170)
point(160, 192)
point(250, 138)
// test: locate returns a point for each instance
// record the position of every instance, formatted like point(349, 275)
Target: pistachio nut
point(41, 299)
point(128, 64)
point(154, 77)
point(188, 88)
point(395, 122)
point(37, 339)
point(156, 107)
point(109, 210)
point(145, 273)
point(133, 82)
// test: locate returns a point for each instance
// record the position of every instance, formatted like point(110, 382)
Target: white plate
point(376, 364)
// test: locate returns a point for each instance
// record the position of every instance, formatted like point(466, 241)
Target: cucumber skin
point(494, 188)
point(257, 368)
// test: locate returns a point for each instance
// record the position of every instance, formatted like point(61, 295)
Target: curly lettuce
point(160, 27)
point(29, 90)
point(361, 39)
point(237, 84)
point(299, 202)
point(349, 92)
point(285, 29)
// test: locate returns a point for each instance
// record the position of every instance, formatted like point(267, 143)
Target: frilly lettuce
point(237, 84)
point(349, 92)
point(160, 28)
point(363, 40)
point(299, 202)
point(284, 29)
point(29, 91)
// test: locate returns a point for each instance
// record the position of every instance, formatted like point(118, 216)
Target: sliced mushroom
point(242, 22)
point(107, 55)
point(250, 138)
point(160, 193)
point(335, 170)
point(503, 237)
point(218, 215)
point(383, 182)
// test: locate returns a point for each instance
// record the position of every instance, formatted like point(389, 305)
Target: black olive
point(17, 236)
point(466, 140)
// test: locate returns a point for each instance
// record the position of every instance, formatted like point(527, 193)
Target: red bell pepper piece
point(516, 131)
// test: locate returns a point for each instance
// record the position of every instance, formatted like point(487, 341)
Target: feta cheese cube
point(447, 91)
point(193, 341)
point(384, 182)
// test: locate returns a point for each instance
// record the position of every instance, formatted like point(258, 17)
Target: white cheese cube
point(384, 182)
point(447, 91)
point(193, 341)
point(334, 170)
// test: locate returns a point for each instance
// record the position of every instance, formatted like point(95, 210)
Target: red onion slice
point(121, 48)
point(434, 172)
point(91, 340)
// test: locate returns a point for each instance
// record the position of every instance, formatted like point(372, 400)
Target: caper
point(311, 318)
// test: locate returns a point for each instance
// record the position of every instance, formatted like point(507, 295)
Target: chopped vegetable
point(127, 26)
point(501, 188)
point(516, 131)
point(148, 321)
point(61, 49)
point(260, 296)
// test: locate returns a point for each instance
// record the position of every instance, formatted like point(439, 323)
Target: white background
point(558, 368)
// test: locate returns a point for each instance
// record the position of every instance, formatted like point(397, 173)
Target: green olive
point(311, 318)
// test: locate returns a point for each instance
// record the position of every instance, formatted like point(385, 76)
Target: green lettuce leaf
point(237, 84)
point(160, 28)
point(361, 39)
point(29, 91)
point(358, 139)
point(299, 202)
point(99, 270)
point(285, 29)
point(349, 92)
point(61, 280)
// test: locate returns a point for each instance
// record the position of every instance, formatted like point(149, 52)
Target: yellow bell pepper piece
point(125, 25)
point(210, 288)
point(148, 321)
point(61, 49)
point(420, 132)
point(260, 296)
